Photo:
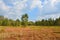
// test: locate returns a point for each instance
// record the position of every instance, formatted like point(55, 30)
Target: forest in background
point(25, 22)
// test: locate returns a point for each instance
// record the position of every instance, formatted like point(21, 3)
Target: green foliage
point(49, 22)
point(5, 22)
point(30, 23)
point(24, 19)
point(17, 22)
point(24, 22)
point(57, 22)
point(1, 17)
point(9, 22)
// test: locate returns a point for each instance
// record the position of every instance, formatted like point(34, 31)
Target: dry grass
point(30, 33)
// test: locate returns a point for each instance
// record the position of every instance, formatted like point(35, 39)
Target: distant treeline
point(24, 22)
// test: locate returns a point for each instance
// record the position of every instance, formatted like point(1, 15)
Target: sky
point(36, 9)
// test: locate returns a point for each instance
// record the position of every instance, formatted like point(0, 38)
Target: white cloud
point(36, 3)
point(45, 2)
point(3, 6)
point(20, 4)
point(53, 2)
point(53, 16)
point(16, 9)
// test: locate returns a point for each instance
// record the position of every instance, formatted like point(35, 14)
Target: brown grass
point(30, 33)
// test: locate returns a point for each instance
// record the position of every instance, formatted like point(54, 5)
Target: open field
point(30, 33)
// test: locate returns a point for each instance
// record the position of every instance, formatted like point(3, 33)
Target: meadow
point(30, 33)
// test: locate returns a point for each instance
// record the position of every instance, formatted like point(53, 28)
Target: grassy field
point(30, 33)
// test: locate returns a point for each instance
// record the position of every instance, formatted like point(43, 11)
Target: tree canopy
point(25, 22)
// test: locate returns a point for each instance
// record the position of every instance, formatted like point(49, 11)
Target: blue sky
point(36, 9)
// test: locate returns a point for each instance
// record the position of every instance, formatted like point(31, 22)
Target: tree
point(24, 19)
point(1, 17)
point(57, 22)
point(5, 22)
point(17, 22)
point(1, 20)
point(30, 23)
point(37, 23)
point(50, 22)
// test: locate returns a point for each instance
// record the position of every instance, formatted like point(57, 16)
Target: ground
point(30, 33)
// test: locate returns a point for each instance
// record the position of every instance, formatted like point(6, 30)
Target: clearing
point(30, 33)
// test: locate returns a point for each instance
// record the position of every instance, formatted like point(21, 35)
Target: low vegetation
point(30, 33)
point(25, 22)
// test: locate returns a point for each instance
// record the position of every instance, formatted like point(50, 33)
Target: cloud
point(42, 3)
point(53, 2)
point(36, 3)
point(50, 7)
point(20, 4)
point(45, 6)
point(53, 16)
point(3, 6)
point(15, 8)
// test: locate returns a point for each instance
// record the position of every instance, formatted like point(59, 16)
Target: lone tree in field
point(17, 22)
point(24, 19)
